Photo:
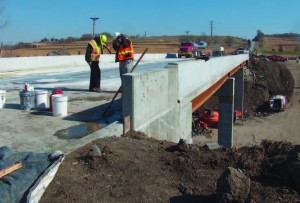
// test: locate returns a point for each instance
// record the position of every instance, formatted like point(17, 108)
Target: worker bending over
point(92, 55)
point(124, 53)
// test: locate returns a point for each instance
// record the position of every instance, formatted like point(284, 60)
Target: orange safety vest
point(96, 50)
point(125, 53)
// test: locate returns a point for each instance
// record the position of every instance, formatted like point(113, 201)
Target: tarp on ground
point(15, 186)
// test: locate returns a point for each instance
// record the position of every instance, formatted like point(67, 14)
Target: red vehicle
point(277, 58)
point(189, 50)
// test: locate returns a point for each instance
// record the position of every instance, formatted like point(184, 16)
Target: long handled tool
point(121, 85)
point(10, 169)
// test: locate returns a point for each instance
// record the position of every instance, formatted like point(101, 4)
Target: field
point(163, 44)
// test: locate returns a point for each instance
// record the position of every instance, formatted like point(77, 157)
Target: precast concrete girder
point(203, 97)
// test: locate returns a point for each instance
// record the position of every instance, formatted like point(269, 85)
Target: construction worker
point(124, 53)
point(92, 55)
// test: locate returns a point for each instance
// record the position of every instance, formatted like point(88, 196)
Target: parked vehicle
point(277, 58)
point(202, 44)
point(242, 52)
point(278, 103)
point(189, 50)
point(218, 51)
point(263, 57)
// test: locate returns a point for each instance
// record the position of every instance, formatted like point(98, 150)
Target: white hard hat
point(117, 34)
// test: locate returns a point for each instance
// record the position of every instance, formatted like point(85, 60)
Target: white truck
point(218, 51)
point(202, 44)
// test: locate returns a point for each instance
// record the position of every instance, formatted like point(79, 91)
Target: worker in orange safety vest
point(124, 53)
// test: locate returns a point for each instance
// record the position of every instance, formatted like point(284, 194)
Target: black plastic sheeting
point(15, 186)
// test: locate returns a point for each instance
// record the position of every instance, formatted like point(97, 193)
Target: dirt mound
point(147, 170)
point(271, 79)
point(59, 52)
point(266, 79)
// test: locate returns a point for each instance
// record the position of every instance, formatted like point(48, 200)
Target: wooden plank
point(10, 169)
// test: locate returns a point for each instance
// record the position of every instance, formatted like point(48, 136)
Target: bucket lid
point(27, 93)
point(41, 92)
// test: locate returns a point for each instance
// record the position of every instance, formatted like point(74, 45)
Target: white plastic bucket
point(41, 98)
point(59, 105)
point(2, 98)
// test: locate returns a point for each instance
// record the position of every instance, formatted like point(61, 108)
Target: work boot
point(97, 89)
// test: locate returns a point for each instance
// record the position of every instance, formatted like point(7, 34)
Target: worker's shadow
point(12, 106)
point(95, 114)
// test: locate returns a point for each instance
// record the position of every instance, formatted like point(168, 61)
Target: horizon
point(78, 38)
point(56, 19)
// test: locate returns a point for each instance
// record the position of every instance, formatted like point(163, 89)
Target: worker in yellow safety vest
point(92, 55)
point(124, 53)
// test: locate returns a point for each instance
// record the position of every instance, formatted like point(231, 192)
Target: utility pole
point(211, 28)
point(94, 20)
point(187, 35)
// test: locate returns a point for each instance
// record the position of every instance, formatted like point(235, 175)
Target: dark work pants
point(95, 76)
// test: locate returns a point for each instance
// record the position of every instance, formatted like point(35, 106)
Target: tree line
point(260, 35)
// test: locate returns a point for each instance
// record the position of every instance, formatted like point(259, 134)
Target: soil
point(135, 168)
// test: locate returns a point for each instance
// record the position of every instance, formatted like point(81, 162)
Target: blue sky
point(32, 20)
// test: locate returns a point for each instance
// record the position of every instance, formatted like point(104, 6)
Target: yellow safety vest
point(96, 50)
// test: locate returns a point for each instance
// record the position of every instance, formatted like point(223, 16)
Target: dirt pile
point(147, 170)
point(59, 52)
point(264, 79)
point(270, 78)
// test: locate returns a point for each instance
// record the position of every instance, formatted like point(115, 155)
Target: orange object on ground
point(238, 113)
point(211, 117)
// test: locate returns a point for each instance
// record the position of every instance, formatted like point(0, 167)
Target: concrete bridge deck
point(166, 86)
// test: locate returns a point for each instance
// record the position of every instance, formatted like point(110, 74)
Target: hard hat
point(117, 34)
point(103, 39)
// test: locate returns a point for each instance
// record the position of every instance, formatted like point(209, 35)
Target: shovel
point(105, 111)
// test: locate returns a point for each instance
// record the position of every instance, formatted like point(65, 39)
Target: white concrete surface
point(37, 130)
point(159, 102)
point(68, 71)
point(197, 75)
